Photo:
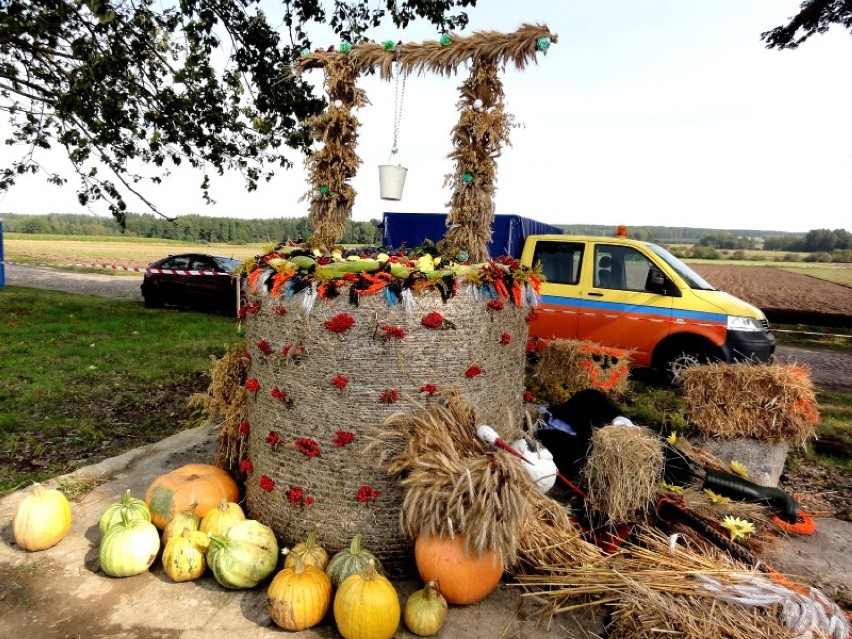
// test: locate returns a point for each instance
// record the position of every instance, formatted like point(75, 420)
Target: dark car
point(193, 280)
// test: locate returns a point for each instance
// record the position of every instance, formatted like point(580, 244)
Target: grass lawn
point(83, 378)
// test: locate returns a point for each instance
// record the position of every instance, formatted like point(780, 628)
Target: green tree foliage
point(815, 16)
point(727, 241)
point(131, 88)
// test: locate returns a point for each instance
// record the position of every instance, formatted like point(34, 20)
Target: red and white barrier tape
point(129, 269)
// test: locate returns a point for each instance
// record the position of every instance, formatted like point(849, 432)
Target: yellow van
point(638, 296)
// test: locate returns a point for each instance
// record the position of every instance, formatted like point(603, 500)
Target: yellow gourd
point(184, 519)
point(220, 519)
point(299, 596)
point(308, 551)
point(42, 519)
point(183, 556)
point(366, 606)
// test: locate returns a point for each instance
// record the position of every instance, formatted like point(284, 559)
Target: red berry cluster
point(278, 393)
point(340, 323)
point(273, 438)
point(340, 381)
point(393, 332)
point(472, 371)
point(297, 497)
point(266, 483)
point(342, 438)
point(246, 466)
point(429, 389)
point(368, 493)
point(432, 320)
point(264, 346)
point(505, 338)
point(495, 305)
point(390, 396)
point(308, 447)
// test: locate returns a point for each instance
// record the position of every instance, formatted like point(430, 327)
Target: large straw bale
point(774, 403)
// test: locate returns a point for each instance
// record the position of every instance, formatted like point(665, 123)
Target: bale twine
point(569, 366)
point(322, 395)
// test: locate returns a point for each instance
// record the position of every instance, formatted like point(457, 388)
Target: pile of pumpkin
point(192, 514)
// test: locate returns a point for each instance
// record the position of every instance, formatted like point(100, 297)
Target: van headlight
point(737, 323)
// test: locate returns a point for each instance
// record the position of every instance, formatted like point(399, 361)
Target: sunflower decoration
point(716, 498)
point(737, 528)
point(739, 468)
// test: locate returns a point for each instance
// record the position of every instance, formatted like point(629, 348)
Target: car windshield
point(693, 279)
point(227, 263)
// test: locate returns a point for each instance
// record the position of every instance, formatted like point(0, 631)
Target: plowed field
point(786, 297)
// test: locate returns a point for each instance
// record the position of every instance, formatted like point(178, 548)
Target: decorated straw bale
point(335, 346)
point(772, 403)
point(569, 366)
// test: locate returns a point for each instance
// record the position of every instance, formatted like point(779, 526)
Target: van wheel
point(676, 363)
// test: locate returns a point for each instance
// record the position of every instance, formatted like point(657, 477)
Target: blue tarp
point(508, 231)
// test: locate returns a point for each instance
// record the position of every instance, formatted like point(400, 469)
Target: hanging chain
point(399, 95)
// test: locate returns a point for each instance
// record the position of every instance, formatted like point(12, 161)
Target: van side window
point(621, 268)
point(560, 261)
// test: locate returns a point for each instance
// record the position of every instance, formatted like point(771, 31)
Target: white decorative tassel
point(407, 301)
point(309, 299)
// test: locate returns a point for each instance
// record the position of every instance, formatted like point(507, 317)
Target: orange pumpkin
point(461, 577)
point(176, 491)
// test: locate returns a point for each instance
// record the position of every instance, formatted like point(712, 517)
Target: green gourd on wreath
point(135, 508)
point(244, 556)
point(42, 519)
point(350, 561)
point(366, 606)
point(308, 551)
point(299, 595)
point(129, 547)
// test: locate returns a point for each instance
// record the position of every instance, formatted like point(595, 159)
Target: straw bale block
point(773, 403)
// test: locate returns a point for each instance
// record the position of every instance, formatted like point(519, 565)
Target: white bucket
point(391, 181)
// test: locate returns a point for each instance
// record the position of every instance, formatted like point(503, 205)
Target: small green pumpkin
point(135, 508)
point(244, 556)
point(425, 611)
point(129, 547)
point(182, 520)
point(351, 561)
point(309, 551)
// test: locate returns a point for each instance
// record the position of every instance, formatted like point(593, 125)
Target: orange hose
point(805, 525)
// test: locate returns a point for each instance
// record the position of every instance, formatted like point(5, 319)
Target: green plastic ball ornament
point(345, 47)
point(542, 44)
point(446, 40)
point(388, 45)
point(305, 52)
point(467, 178)
point(324, 189)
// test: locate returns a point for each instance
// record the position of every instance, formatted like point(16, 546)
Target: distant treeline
point(189, 228)
point(199, 228)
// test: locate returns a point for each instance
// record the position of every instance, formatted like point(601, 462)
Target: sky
point(645, 112)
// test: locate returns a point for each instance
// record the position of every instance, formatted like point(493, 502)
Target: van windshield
point(693, 279)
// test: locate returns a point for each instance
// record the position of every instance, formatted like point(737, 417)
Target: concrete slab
point(61, 593)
